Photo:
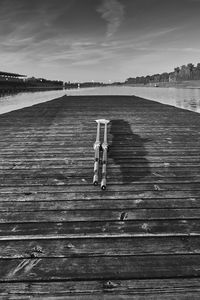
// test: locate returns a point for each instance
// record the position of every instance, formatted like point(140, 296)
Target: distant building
point(11, 82)
point(11, 77)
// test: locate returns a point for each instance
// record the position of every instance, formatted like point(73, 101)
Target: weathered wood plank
point(72, 142)
point(88, 150)
point(98, 204)
point(86, 247)
point(74, 158)
point(153, 289)
point(32, 194)
point(136, 187)
point(61, 180)
point(147, 171)
point(146, 228)
point(99, 215)
point(87, 165)
point(102, 268)
point(63, 147)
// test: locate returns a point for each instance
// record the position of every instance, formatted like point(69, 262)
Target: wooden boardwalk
point(63, 238)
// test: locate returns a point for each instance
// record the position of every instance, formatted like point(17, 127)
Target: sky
point(100, 40)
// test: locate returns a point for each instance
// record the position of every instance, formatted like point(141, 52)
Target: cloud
point(113, 12)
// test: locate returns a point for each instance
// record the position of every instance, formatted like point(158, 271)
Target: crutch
point(97, 146)
point(105, 158)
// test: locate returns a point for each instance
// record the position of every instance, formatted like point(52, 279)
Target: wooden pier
point(63, 238)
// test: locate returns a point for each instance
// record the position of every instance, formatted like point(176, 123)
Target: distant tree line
point(185, 72)
point(41, 82)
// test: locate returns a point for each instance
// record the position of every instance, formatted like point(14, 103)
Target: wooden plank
point(82, 181)
point(148, 228)
point(153, 139)
point(88, 247)
point(32, 194)
point(101, 268)
point(134, 188)
point(72, 141)
point(88, 150)
point(153, 289)
point(99, 215)
point(89, 157)
point(119, 128)
point(87, 165)
point(61, 180)
point(98, 204)
point(147, 169)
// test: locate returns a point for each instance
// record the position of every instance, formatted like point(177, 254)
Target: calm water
point(184, 98)
point(13, 102)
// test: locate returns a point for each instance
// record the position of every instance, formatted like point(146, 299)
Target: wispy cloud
point(177, 49)
point(63, 39)
point(113, 12)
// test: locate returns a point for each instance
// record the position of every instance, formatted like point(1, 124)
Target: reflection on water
point(184, 98)
point(11, 102)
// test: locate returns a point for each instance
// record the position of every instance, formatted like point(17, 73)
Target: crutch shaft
point(97, 148)
point(105, 134)
point(105, 157)
point(98, 133)
point(96, 156)
point(96, 166)
point(103, 180)
point(104, 166)
point(96, 153)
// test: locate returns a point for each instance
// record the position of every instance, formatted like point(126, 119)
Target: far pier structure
point(14, 83)
point(11, 82)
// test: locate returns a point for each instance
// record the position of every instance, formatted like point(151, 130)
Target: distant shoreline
point(190, 84)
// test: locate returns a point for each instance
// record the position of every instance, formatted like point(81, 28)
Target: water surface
point(179, 97)
point(20, 100)
point(183, 98)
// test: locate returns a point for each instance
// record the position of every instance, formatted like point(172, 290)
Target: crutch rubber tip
point(95, 183)
point(103, 184)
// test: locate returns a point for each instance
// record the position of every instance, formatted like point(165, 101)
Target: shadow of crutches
point(128, 151)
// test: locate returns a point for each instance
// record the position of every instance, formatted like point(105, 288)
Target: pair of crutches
point(97, 148)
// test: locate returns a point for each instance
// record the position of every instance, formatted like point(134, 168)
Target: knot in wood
point(110, 285)
point(123, 216)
